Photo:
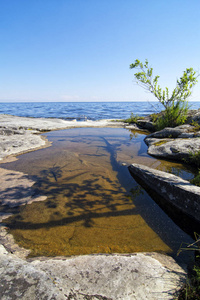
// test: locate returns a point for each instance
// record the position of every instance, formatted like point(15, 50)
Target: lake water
point(93, 204)
point(83, 110)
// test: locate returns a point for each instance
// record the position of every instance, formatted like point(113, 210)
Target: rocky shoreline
point(178, 143)
point(73, 278)
point(182, 144)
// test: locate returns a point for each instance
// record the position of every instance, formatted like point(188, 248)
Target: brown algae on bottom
point(93, 204)
point(124, 233)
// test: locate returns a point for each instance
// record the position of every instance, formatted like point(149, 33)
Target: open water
point(83, 110)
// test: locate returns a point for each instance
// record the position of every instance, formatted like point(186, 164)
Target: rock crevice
point(179, 192)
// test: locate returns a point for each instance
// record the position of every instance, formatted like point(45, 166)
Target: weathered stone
point(7, 240)
point(194, 116)
point(176, 132)
point(174, 143)
point(5, 131)
point(45, 124)
point(13, 144)
point(146, 124)
point(20, 280)
point(179, 192)
point(133, 276)
point(177, 149)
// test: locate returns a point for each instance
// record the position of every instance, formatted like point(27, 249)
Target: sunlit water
point(84, 110)
point(93, 204)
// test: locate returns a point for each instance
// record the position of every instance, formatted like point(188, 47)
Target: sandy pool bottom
point(93, 204)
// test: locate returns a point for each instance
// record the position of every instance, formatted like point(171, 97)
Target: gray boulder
point(193, 116)
point(181, 131)
point(174, 143)
point(177, 149)
point(146, 124)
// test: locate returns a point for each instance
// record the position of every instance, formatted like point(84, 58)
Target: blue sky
point(80, 50)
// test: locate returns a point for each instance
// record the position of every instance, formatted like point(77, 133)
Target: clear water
point(83, 110)
point(93, 204)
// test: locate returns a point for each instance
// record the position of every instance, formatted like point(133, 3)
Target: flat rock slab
point(43, 124)
point(133, 276)
point(14, 144)
point(177, 191)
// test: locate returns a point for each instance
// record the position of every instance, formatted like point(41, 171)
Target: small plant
point(191, 290)
point(194, 246)
point(154, 118)
point(174, 115)
point(133, 119)
point(196, 125)
point(194, 158)
point(176, 106)
point(196, 179)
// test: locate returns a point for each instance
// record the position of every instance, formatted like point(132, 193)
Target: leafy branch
point(175, 104)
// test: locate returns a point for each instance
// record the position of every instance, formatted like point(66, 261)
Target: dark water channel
point(93, 204)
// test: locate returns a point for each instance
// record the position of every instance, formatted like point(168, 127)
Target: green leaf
point(175, 105)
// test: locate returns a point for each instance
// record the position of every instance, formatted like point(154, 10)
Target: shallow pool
point(93, 204)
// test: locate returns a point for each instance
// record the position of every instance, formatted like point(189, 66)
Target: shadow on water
point(82, 192)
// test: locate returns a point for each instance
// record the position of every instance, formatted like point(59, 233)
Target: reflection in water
point(93, 204)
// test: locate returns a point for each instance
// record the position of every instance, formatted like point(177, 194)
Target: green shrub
point(176, 106)
point(196, 180)
point(133, 119)
point(196, 125)
point(173, 116)
point(194, 158)
point(191, 289)
point(154, 117)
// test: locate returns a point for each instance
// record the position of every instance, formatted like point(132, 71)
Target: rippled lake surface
point(83, 110)
point(93, 204)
